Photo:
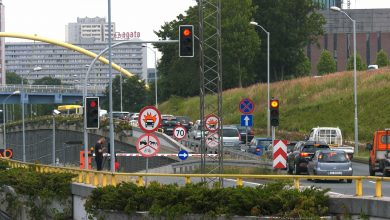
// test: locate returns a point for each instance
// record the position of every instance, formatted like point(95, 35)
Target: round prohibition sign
point(148, 145)
point(246, 106)
point(212, 123)
point(149, 119)
point(179, 132)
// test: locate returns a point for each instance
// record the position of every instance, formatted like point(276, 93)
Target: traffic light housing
point(274, 105)
point(186, 41)
point(92, 112)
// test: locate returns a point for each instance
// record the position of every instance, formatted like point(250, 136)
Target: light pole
point(337, 9)
point(23, 124)
point(155, 73)
point(4, 134)
point(268, 89)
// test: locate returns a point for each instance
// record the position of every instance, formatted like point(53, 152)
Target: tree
point(47, 80)
point(293, 25)
point(326, 63)
point(12, 78)
point(135, 94)
point(359, 63)
point(382, 59)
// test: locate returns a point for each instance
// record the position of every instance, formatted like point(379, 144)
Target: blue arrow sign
point(183, 154)
point(247, 120)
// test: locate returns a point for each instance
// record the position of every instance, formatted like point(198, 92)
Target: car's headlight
point(350, 169)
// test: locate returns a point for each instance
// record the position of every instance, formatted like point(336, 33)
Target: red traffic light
point(186, 32)
point(92, 104)
point(274, 103)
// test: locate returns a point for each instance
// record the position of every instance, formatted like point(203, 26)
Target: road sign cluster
point(149, 120)
point(246, 107)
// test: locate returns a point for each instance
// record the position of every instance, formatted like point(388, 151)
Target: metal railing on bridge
point(102, 178)
point(62, 89)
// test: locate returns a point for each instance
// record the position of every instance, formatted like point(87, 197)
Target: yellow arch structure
point(66, 45)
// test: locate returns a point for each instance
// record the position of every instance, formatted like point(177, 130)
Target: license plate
point(335, 173)
point(169, 129)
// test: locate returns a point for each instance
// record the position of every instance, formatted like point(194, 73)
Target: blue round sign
point(183, 154)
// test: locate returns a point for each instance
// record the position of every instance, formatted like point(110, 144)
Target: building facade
point(70, 66)
point(86, 29)
point(2, 45)
point(329, 3)
point(372, 35)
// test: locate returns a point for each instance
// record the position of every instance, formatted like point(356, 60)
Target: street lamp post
point(268, 69)
point(155, 73)
point(4, 133)
point(23, 124)
point(337, 9)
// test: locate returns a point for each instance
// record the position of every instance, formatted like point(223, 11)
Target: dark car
point(168, 124)
point(244, 132)
point(185, 121)
point(298, 160)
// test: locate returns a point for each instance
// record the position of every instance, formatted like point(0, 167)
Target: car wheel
point(349, 181)
point(296, 170)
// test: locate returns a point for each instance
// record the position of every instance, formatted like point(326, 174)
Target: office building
point(70, 66)
point(372, 35)
point(2, 45)
point(86, 29)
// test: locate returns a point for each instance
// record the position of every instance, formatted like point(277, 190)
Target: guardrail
point(102, 178)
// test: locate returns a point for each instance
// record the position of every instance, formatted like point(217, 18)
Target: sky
point(47, 18)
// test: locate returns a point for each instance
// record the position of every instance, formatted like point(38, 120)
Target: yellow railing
point(103, 178)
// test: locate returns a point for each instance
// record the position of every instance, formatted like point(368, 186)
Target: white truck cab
point(332, 136)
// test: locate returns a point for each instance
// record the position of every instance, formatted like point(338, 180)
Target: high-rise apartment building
point(329, 3)
point(2, 45)
point(86, 29)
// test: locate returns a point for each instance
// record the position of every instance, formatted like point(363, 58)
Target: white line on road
point(246, 182)
point(371, 182)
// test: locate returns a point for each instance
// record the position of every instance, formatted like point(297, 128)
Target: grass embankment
point(306, 103)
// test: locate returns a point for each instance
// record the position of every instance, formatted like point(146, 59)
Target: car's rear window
point(333, 157)
point(226, 132)
point(264, 143)
point(313, 149)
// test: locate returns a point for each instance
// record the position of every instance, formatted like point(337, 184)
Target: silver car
point(231, 137)
point(330, 163)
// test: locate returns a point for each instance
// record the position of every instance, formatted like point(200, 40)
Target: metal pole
point(268, 88)
point(23, 126)
point(120, 78)
point(147, 169)
point(355, 88)
point(54, 142)
point(4, 141)
point(155, 77)
point(112, 146)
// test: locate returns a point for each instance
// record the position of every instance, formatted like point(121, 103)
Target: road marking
point(246, 182)
point(372, 182)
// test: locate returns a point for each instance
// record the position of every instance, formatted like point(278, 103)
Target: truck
point(379, 160)
point(333, 137)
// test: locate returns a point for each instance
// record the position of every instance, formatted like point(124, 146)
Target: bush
point(172, 201)
point(359, 63)
point(326, 63)
point(382, 59)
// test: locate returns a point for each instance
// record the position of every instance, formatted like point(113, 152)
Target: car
point(258, 146)
point(185, 121)
point(330, 163)
point(303, 153)
point(231, 137)
point(121, 115)
point(168, 123)
point(291, 145)
point(195, 132)
point(372, 67)
point(244, 132)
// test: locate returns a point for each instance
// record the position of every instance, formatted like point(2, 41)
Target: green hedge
point(40, 189)
point(173, 201)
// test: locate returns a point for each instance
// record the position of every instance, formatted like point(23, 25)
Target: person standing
point(99, 153)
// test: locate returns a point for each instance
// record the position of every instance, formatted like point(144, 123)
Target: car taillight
point(257, 149)
point(304, 154)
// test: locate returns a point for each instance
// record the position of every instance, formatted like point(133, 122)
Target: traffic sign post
point(179, 132)
point(212, 123)
point(246, 106)
point(247, 120)
point(279, 154)
point(149, 119)
point(148, 145)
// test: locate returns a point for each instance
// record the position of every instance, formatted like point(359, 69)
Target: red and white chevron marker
point(280, 154)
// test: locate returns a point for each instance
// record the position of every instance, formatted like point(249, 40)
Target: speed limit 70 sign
point(179, 132)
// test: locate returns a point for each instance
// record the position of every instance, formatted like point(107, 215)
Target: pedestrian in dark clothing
point(99, 153)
